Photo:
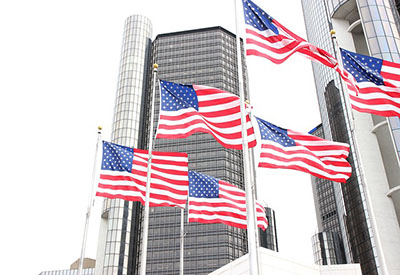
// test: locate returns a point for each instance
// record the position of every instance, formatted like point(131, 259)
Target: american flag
point(266, 37)
point(377, 83)
point(187, 109)
point(124, 174)
point(215, 201)
point(282, 148)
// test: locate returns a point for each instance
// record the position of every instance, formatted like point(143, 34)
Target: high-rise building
point(368, 205)
point(118, 243)
point(328, 244)
point(204, 57)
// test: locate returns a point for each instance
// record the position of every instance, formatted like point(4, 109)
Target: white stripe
point(306, 166)
point(202, 124)
point(313, 159)
point(138, 194)
point(212, 96)
point(219, 107)
point(382, 107)
point(390, 69)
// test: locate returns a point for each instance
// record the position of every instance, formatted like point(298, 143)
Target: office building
point(328, 243)
point(368, 205)
point(118, 243)
point(203, 57)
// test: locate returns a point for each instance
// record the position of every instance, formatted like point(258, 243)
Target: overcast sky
point(59, 65)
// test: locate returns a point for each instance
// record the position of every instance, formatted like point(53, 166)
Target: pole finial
point(99, 128)
point(333, 32)
point(155, 66)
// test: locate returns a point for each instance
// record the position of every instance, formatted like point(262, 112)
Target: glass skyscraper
point(367, 206)
point(118, 244)
point(204, 57)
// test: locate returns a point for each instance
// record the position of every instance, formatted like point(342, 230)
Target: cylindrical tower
point(120, 225)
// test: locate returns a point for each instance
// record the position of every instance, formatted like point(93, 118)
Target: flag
point(124, 175)
point(187, 109)
point(282, 148)
point(377, 84)
point(215, 201)
point(267, 38)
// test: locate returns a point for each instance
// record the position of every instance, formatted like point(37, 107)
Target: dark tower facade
point(203, 57)
point(364, 208)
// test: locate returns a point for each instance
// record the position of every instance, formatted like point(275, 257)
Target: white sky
point(59, 64)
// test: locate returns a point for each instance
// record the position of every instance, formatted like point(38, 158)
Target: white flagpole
point(347, 103)
point(250, 205)
point(90, 203)
point(143, 257)
point(182, 241)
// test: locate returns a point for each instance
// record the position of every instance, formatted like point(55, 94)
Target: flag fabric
point(187, 109)
point(267, 38)
point(376, 81)
point(282, 148)
point(124, 175)
point(215, 201)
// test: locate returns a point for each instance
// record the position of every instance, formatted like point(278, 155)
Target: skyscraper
point(118, 242)
point(367, 206)
point(204, 57)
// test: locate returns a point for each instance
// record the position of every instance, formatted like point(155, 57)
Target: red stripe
point(202, 91)
point(206, 129)
point(390, 76)
point(200, 220)
point(212, 204)
point(299, 168)
point(265, 156)
point(270, 39)
point(376, 101)
point(286, 49)
point(169, 189)
point(386, 113)
point(122, 188)
point(217, 101)
point(372, 90)
point(390, 64)
point(121, 178)
point(215, 211)
point(260, 54)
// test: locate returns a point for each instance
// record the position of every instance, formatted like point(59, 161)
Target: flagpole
point(250, 206)
point(143, 258)
point(358, 154)
point(182, 241)
point(90, 203)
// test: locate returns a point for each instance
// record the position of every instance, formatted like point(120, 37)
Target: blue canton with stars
point(274, 133)
point(363, 68)
point(116, 157)
point(175, 96)
point(256, 17)
point(203, 186)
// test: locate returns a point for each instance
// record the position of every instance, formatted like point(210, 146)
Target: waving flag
point(377, 83)
point(124, 175)
point(215, 201)
point(187, 109)
point(267, 38)
point(287, 149)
